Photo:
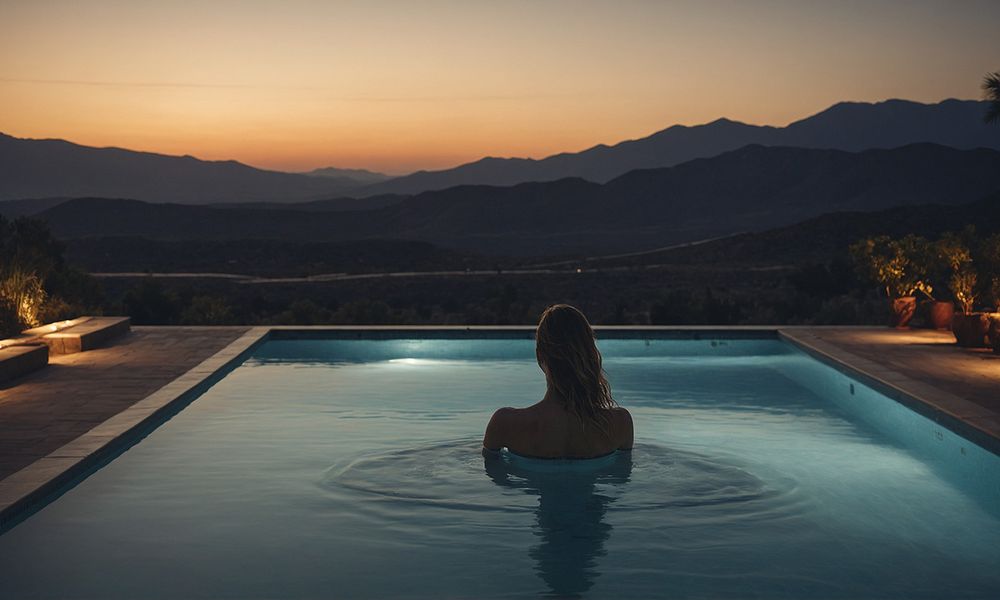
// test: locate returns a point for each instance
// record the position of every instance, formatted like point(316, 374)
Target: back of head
point(564, 345)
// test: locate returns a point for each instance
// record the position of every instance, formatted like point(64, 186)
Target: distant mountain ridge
point(39, 169)
point(57, 168)
point(851, 126)
point(750, 189)
point(356, 176)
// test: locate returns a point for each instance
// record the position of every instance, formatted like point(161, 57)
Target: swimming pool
point(350, 469)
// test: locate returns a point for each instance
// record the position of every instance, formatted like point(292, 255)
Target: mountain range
point(57, 168)
point(353, 176)
point(749, 189)
point(45, 169)
point(850, 126)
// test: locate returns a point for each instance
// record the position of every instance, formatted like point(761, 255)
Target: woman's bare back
point(548, 430)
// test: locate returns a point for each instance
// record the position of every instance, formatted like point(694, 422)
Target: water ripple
point(454, 475)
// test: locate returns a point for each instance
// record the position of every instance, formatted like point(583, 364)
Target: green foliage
point(963, 287)
point(682, 307)
point(899, 266)
point(989, 259)
point(9, 323)
point(27, 253)
point(303, 312)
point(953, 251)
point(149, 303)
point(824, 280)
point(364, 312)
point(968, 264)
point(36, 285)
point(207, 310)
point(994, 293)
point(22, 294)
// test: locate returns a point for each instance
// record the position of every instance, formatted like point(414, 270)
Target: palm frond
point(991, 93)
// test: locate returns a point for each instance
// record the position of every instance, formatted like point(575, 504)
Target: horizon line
point(403, 174)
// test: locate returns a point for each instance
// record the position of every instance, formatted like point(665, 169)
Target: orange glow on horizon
point(303, 84)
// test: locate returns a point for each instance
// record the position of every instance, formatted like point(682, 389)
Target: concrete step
point(80, 335)
point(22, 359)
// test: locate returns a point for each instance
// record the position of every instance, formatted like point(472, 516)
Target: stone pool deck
point(43, 412)
point(918, 367)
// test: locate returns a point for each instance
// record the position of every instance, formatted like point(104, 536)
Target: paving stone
point(47, 409)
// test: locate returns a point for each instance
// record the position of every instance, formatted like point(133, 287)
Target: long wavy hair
point(564, 345)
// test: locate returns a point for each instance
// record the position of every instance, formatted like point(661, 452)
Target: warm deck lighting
point(35, 334)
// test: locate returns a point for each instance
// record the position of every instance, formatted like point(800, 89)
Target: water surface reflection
point(573, 498)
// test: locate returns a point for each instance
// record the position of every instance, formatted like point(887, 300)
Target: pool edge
point(944, 408)
point(34, 486)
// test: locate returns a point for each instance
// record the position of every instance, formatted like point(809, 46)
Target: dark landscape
point(572, 299)
point(751, 233)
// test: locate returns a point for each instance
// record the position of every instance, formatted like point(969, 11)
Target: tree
point(991, 93)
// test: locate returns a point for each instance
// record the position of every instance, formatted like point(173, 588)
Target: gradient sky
point(399, 86)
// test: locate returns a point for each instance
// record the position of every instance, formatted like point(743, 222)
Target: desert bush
point(207, 310)
point(22, 294)
point(149, 303)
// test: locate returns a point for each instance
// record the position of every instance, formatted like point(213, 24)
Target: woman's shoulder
point(507, 418)
point(620, 412)
point(504, 426)
point(623, 427)
point(506, 413)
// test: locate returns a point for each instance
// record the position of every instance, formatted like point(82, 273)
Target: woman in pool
point(577, 418)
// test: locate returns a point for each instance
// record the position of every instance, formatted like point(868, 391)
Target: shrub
point(22, 294)
point(150, 304)
point(989, 258)
point(962, 282)
point(898, 266)
point(207, 310)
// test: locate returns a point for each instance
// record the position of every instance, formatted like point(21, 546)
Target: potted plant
point(891, 264)
point(936, 312)
point(970, 328)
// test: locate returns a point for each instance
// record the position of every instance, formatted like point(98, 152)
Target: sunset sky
point(399, 86)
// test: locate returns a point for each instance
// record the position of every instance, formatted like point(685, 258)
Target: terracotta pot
point(901, 311)
point(994, 333)
point(938, 315)
point(971, 329)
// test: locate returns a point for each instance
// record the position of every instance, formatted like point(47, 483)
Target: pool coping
point(26, 491)
point(969, 420)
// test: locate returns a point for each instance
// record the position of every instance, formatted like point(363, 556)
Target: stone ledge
point(19, 360)
point(91, 333)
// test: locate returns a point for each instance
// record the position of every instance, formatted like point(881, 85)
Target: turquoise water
point(351, 469)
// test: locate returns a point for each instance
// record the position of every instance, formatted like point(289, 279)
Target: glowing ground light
point(33, 335)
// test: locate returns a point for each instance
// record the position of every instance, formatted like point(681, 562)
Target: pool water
point(352, 469)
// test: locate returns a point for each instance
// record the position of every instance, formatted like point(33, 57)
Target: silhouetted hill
point(750, 189)
point(17, 208)
point(823, 238)
point(36, 169)
point(270, 258)
point(851, 126)
point(53, 168)
point(352, 176)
